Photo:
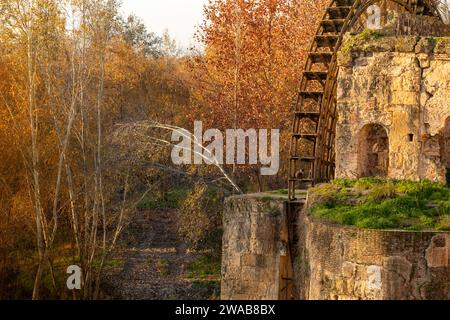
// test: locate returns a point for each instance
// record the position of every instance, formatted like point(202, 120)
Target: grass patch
point(108, 264)
point(376, 203)
point(206, 267)
point(163, 267)
point(21, 279)
point(282, 192)
point(172, 200)
point(345, 183)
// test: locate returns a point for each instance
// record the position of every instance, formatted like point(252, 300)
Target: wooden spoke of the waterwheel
point(312, 158)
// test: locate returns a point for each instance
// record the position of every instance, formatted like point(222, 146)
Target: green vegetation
point(53, 284)
point(281, 192)
point(206, 284)
point(171, 200)
point(284, 193)
point(108, 264)
point(206, 267)
point(205, 274)
point(162, 265)
point(361, 38)
point(383, 204)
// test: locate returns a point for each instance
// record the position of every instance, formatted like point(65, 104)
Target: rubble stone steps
point(155, 262)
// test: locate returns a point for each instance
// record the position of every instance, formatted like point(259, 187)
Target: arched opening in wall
point(373, 151)
point(445, 149)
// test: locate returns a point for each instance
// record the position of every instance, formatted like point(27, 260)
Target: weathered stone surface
point(442, 46)
point(333, 263)
point(255, 249)
point(438, 253)
point(410, 24)
point(346, 263)
point(402, 84)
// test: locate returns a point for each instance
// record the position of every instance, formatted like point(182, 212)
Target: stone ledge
point(370, 43)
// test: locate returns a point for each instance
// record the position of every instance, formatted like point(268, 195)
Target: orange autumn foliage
point(248, 71)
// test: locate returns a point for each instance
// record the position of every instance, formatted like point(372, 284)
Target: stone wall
point(402, 84)
point(330, 261)
point(405, 24)
point(255, 261)
point(346, 263)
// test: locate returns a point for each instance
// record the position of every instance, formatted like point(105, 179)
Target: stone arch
point(373, 151)
point(445, 148)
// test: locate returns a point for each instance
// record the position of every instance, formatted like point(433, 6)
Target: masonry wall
point(330, 261)
point(255, 248)
point(345, 263)
point(402, 84)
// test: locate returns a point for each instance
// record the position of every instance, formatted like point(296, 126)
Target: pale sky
point(180, 17)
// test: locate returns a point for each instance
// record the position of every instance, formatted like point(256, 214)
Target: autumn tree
point(71, 70)
point(247, 76)
point(73, 73)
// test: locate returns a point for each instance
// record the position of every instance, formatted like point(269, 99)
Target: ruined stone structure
point(346, 263)
point(381, 107)
point(313, 141)
point(255, 248)
point(394, 108)
point(329, 261)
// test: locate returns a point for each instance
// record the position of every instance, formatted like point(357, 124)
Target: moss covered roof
point(374, 41)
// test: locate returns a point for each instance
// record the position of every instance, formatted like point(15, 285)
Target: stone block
point(405, 97)
point(438, 253)
point(425, 45)
point(348, 269)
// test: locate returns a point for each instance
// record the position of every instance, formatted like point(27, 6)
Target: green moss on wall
point(376, 203)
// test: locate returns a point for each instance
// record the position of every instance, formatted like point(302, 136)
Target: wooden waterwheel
point(312, 157)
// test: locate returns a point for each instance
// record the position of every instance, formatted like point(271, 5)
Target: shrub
point(324, 194)
point(368, 183)
point(382, 192)
point(200, 218)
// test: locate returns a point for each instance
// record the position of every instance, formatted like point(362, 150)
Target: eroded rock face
point(403, 85)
